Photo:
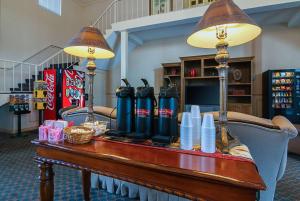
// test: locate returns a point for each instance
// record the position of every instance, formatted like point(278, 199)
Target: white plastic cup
point(186, 132)
point(196, 120)
point(208, 120)
point(195, 111)
point(208, 134)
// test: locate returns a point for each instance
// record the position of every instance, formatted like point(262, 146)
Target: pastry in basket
point(78, 134)
point(98, 126)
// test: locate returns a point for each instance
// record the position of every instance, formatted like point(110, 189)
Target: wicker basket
point(78, 138)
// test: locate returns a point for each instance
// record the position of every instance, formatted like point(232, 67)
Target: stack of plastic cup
point(208, 134)
point(196, 120)
point(186, 132)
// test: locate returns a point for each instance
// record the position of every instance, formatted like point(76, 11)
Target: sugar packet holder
point(55, 135)
point(43, 133)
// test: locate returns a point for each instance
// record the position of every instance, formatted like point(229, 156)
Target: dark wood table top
point(233, 172)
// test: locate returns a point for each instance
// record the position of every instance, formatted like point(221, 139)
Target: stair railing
point(121, 10)
point(59, 58)
point(14, 75)
point(36, 58)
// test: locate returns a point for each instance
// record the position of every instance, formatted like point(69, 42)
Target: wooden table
point(190, 176)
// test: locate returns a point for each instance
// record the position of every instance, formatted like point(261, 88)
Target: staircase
point(18, 77)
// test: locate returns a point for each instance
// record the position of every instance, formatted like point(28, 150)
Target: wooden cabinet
point(201, 73)
point(240, 107)
point(172, 71)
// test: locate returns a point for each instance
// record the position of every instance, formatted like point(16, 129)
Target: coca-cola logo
point(50, 79)
point(165, 112)
point(142, 112)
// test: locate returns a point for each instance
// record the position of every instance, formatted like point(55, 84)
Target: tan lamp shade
point(240, 27)
point(89, 43)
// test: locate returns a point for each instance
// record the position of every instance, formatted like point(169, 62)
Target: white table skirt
point(131, 190)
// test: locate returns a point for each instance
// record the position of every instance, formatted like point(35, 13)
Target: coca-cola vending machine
point(64, 88)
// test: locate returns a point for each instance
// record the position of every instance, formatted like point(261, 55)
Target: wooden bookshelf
point(173, 71)
point(201, 69)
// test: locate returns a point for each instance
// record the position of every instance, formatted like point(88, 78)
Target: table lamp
point(223, 25)
point(89, 43)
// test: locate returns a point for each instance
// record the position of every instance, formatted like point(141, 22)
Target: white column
point(124, 54)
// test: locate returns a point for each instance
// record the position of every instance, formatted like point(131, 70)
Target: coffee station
point(162, 141)
point(150, 100)
point(140, 118)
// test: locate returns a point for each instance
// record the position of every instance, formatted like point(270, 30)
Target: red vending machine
point(64, 88)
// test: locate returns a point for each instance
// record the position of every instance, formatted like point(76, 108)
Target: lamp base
point(91, 67)
point(222, 58)
point(224, 133)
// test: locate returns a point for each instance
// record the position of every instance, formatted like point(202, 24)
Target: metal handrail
point(28, 63)
point(9, 74)
point(42, 50)
point(51, 57)
point(105, 11)
point(18, 62)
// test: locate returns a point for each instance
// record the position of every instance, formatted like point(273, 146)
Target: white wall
point(277, 48)
point(26, 28)
point(280, 48)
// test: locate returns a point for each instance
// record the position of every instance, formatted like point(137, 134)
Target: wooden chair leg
point(46, 181)
point(86, 184)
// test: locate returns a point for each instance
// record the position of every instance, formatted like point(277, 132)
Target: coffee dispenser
point(145, 103)
point(125, 110)
point(167, 122)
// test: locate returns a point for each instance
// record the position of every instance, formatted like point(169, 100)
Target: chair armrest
point(285, 125)
point(72, 110)
point(62, 110)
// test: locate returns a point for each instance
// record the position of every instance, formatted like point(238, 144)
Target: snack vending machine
point(281, 94)
point(64, 88)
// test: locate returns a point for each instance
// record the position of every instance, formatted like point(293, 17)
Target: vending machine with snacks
point(281, 94)
point(19, 104)
point(65, 87)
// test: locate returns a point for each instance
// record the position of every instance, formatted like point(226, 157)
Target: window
point(51, 5)
point(160, 6)
point(194, 3)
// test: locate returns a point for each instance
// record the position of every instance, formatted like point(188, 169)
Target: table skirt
point(127, 189)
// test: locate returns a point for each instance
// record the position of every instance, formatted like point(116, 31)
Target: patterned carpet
point(19, 173)
point(288, 188)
